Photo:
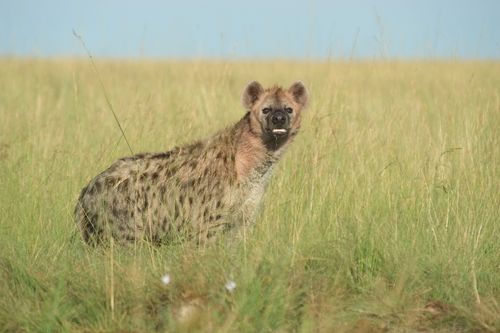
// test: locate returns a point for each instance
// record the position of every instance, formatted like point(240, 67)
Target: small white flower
point(165, 279)
point(230, 285)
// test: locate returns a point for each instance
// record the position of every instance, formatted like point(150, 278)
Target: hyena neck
point(255, 157)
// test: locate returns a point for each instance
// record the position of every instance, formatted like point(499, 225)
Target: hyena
point(199, 190)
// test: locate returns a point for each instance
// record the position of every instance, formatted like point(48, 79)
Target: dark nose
point(279, 118)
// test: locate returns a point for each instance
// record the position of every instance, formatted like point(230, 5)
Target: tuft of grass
point(383, 216)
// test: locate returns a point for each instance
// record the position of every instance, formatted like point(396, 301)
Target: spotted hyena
point(198, 190)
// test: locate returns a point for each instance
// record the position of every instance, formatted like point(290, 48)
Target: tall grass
point(383, 216)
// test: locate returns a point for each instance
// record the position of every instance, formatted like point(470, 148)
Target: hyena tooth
point(279, 130)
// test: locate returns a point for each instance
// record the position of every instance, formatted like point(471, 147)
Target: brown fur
point(195, 191)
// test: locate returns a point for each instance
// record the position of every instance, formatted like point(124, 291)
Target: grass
point(383, 216)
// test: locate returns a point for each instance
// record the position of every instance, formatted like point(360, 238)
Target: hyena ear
point(299, 93)
point(251, 94)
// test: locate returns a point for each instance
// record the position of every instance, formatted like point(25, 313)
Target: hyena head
point(275, 113)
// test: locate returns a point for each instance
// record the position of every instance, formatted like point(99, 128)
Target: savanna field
point(383, 216)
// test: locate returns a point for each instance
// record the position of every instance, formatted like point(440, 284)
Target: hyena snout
point(279, 118)
point(278, 122)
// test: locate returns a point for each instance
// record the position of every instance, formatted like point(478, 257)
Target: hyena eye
point(266, 110)
point(289, 110)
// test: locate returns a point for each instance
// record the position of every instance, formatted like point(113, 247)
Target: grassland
point(383, 216)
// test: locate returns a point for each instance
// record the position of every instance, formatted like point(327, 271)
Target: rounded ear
point(299, 93)
point(251, 94)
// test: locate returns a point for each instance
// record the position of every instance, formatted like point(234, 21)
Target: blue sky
point(250, 29)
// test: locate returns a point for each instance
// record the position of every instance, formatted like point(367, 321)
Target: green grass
point(384, 215)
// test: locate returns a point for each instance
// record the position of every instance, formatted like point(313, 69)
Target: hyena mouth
point(279, 131)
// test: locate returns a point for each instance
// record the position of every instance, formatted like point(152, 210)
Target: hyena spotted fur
point(198, 190)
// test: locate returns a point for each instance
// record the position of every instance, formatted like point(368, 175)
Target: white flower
point(230, 285)
point(165, 279)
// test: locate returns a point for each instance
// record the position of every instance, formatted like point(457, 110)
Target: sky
point(252, 29)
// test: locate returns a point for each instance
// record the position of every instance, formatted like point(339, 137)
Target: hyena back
point(198, 190)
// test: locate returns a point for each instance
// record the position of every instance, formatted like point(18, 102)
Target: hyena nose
point(279, 118)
